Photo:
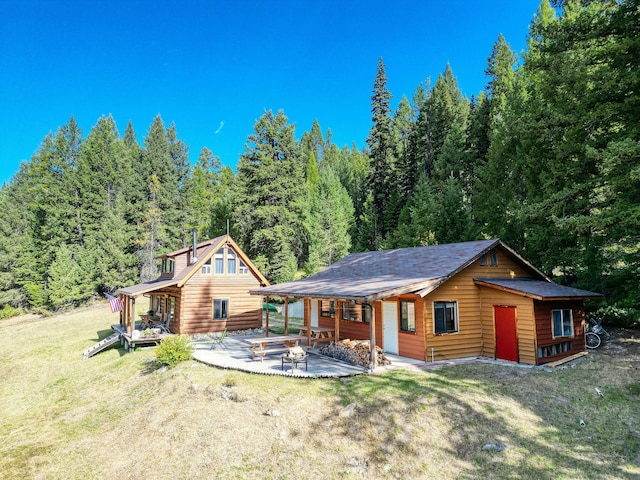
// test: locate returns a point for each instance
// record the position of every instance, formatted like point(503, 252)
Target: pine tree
point(201, 190)
point(269, 195)
point(331, 219)
point(381, 148)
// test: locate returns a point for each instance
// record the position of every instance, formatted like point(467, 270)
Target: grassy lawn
point(114, 416)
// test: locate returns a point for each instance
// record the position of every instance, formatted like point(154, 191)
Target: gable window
point(167, 265)
point(244, 270)
point(328, 308)
point(445, 317)
point(218, 262)
point(206, 268)
point(407, 317)
point(562, 323)
point(231, 262)
point(221, 309)
point(490, 258)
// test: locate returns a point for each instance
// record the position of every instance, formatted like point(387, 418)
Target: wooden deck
point(130, 343)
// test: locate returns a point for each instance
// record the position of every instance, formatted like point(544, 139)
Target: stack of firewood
point(357, 352)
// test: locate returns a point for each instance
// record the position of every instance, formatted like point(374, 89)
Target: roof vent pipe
point(194, 254)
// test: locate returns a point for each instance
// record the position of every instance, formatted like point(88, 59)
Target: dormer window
point(206, 268)
point(231, 262)
point(167, 265)
point(218, 262)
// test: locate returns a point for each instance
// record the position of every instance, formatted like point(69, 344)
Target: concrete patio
point(234, 354)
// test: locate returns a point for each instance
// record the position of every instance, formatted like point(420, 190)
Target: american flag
point(115, 303)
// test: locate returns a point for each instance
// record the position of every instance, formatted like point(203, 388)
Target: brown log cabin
point(202, 289)
point(440, 302)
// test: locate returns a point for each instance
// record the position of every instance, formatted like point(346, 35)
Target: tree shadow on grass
point(473, 410)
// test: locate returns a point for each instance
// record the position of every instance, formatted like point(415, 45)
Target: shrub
point(173, 350)
point(8, 311)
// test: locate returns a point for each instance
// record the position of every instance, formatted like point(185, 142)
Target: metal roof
point(538, 289)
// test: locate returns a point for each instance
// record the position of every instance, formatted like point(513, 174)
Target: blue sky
point(213, 67)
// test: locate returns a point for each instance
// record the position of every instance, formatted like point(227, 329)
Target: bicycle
point(593, 332)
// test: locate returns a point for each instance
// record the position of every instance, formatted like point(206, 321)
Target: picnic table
point(278, 343)
point(319, 334)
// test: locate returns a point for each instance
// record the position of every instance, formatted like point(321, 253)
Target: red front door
point(506, 335)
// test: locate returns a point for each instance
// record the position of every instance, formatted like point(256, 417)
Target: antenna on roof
point(227, 227)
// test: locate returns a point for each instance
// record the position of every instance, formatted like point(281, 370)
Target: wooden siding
point(411, 345)
point(545, 329)
point(525, 326)
point(353, 330)
point(196, 303)
point(475, 334)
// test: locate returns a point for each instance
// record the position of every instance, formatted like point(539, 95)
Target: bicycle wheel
point(591, 340)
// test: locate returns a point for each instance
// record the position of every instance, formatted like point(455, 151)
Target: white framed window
point(244, 270)
point(407, 317)
point(206, 268)
point(218, 262)
point(562, 322)
point(445, 317)
point(231, 262)
point(220, 308)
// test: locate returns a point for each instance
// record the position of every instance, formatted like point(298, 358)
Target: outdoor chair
point(219, 340)
point(295, 356)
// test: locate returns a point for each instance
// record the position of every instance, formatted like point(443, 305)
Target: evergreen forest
point(546, 157)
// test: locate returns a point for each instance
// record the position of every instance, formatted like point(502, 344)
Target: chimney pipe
point(194, 255)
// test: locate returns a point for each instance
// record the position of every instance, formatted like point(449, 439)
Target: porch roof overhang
point(536, 289)
point(357, 290)
point(146, 287)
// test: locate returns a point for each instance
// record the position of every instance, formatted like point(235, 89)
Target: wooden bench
point(276, 344)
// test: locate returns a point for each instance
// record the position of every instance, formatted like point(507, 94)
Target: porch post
point(267, 315)
point(286, 315)
point(337, 321)
point(372, 336)
point(307, 319)
point(124, 306)
point(132, 315)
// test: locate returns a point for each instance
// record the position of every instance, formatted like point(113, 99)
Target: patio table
point(279, 343)
point(319, 334)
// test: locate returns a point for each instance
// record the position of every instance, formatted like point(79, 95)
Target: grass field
point(115, 416)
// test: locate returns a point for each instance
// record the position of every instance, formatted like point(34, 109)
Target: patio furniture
point(276, 344)
point(219, 340)
point(319, 334)
point(295, 356)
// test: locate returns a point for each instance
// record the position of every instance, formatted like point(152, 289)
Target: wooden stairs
point(101, 345)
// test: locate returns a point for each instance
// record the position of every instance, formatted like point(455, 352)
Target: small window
point(408, 317)
point(366, 313)
point(220, 309)
point(244, 270)
point(206, 268)
point(167, 265)
point(490, 258)
point(218, 262)
point(562, 323)
point(328, 308)
point(445, 316)
point(231, 262)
